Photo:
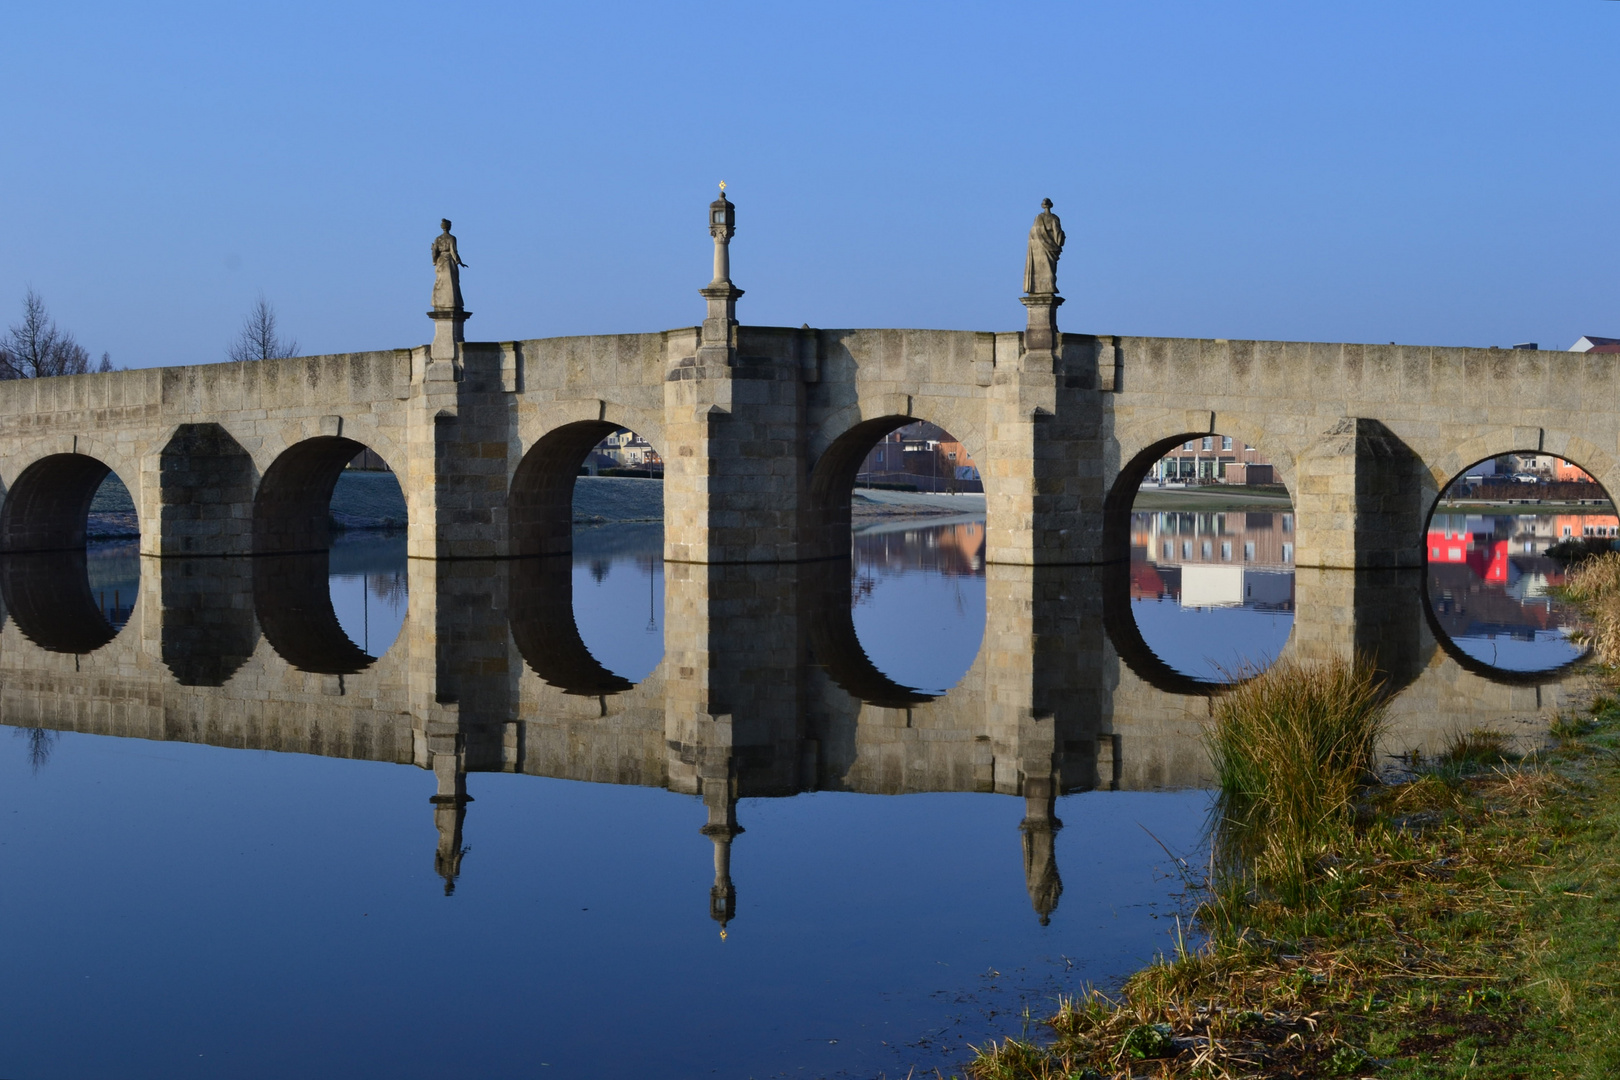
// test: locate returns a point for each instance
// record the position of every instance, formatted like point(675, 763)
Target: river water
point(184, 904)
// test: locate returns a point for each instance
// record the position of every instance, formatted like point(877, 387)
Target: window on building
point(1186, 549)
point(1288, 553)
point(1226, 442)
point(1169, 549)
point(1209, 442)
point(1187, 446)
point(1226, 551)
point(1248, 551)
point(1208, 548)
point(1248, 449)
point(1288, 523)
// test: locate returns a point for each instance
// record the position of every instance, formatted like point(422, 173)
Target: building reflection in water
point(763, 690)
point(1490, 585)
point(1213, 592)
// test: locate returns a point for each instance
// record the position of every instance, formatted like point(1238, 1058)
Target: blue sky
point(1435, 172)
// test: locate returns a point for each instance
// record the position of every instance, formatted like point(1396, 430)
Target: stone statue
point(1045, 245)
point(447, 266)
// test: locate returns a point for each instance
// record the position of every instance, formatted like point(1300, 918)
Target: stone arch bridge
point(763, 428)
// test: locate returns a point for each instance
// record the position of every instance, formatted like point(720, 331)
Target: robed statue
point(447, 266)
point(1045, 245)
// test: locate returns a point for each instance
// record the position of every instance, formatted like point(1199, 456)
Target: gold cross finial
point(722, 185)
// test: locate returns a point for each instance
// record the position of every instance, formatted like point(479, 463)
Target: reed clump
point(1292, 747)
point(1593, 586)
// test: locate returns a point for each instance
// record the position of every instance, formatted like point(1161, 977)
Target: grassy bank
point(1457, 922)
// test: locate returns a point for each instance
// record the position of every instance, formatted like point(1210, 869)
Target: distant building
point(1214, 459)
point(922, 455)
point(624, 449)
point(1593, 343)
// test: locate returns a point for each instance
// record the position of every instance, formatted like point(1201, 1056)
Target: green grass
point(1459, 924)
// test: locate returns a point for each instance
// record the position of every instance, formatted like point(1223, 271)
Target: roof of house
point(1593, 343)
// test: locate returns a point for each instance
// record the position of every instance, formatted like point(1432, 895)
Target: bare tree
point(259, 339)
point(36, 347)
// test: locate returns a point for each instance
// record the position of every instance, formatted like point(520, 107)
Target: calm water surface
point(183, 909)
point(197, 910)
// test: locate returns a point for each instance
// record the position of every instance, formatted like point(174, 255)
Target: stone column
point(734, 473)
point(1363, 500)
point(1043, 480)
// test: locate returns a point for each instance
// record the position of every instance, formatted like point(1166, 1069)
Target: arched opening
point(70, 535)
point(546, 634)
point(586, 516)
point(1209, 530)
point(337, 505)
point(49, 505)
point(1498, 542)
point(905, 500)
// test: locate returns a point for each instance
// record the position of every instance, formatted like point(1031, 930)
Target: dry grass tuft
point(1292, 747)
point(1594, 587)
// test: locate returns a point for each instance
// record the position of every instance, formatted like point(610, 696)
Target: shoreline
point(1463, 929)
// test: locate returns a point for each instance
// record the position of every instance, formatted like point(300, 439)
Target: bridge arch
point(48, 595)
point(540, 504)
point(292, 598)
point(541, 610)
point(1471, 585)
point(292, 502)
point(47, 502)
point(1138, 456)
point(833, 475)
point(1455, 462)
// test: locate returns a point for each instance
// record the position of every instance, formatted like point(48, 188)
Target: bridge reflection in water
point(764, 689)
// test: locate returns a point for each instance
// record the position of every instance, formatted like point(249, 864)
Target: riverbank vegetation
point(1454, 920)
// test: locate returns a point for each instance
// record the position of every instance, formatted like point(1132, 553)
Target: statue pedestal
point(720, 321)
point(1041, 333)
point(447, 333)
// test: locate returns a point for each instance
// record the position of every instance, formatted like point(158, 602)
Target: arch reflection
point(71, 601)
point(1210, 536)
point(1498, 543)
point(292, 596)
point(546, 634)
